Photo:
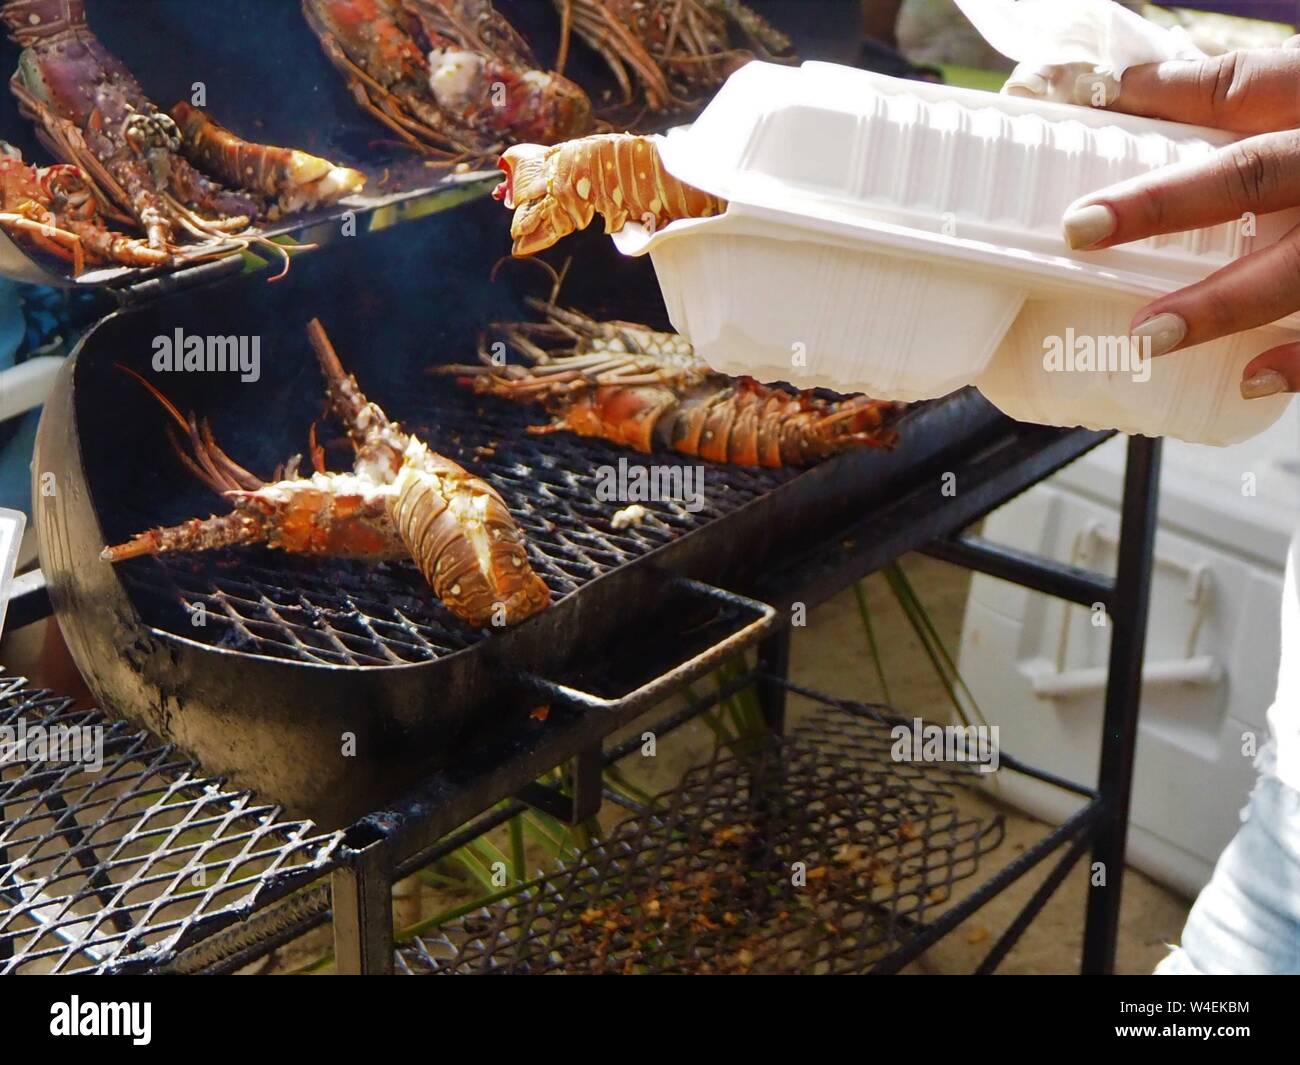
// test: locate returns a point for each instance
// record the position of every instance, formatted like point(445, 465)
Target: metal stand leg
point(774, 659)
point(1123, 695)
point(362, 906)
point(6, 944)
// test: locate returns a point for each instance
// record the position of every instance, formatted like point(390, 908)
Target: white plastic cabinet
point(1037, 666)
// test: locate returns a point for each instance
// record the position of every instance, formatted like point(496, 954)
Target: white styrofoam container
point(882, 235)
point(1037, 666)
point(1193, 395)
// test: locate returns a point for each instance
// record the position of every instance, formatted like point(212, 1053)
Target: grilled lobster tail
point(454, 525)
point(292, 180)
point(462, 537)
point(559, 190)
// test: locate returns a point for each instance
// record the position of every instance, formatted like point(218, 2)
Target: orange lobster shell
point(559, 190)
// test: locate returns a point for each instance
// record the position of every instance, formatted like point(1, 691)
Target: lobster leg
point(59, 242)
point(239, 528)
point(757, 29)
point(620, 49)
point(114, 247)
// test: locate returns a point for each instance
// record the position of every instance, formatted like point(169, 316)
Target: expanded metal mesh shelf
point(115, 869)
point(817, 853)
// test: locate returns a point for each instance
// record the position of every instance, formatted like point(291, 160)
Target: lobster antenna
point(566, 30)
point(157, 394)
point(560, 279)
point(556, 279)
point(329, 358)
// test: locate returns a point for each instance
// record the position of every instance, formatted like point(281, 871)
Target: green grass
point(970, 78)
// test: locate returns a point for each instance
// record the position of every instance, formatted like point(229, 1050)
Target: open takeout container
point(904, 239)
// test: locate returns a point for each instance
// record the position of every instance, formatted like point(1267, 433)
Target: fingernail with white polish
point(1165, 330)
point(1264, 383)
point(1085, 226)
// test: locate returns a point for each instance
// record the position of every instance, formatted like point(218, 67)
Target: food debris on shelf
point(629, 516)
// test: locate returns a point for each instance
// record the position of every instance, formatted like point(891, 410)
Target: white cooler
point(1037, 666)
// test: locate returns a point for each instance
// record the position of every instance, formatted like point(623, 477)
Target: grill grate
point(114, 869)
point(350, 613)
point(704, 882)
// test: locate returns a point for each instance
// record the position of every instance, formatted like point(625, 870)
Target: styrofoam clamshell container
point(1192, 395)
point(904, 239)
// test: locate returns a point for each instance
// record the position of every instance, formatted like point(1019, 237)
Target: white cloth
point(1056, 41)
point(1284, 715)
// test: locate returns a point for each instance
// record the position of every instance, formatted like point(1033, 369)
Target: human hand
point(1255, 92)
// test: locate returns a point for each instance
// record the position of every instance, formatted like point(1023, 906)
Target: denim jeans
point(1247, 918)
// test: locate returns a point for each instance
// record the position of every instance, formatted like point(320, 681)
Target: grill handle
point(666, 683)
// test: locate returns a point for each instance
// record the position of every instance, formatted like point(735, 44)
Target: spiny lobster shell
point(449, 77)
point(558, 190)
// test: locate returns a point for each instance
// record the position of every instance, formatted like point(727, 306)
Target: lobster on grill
point(148, 168)
point(451, 78)
point(633, 386)
point(53, 209)
point(400, 501)
point(558, 190)
point(677, 50)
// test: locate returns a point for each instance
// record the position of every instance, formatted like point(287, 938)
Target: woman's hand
point(1255, 92)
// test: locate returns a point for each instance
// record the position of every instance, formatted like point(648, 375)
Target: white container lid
point(956, 172)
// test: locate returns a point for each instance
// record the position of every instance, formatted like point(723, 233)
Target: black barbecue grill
point(292, 655)
point(367, 648)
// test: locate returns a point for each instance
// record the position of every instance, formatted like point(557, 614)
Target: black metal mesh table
point(813, 854)
point(152, 865)
point(115, 870)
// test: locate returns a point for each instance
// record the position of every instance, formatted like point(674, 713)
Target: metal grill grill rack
point(342, 614)
point(813, 854)
point(111, 870)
